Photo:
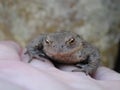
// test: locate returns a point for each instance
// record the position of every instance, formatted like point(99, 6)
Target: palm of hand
point(43, 75)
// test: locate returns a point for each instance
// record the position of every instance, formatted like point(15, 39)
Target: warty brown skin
point(66, 48)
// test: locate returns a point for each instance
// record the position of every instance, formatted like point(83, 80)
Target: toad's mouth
point(63, 58)
point(66, 57)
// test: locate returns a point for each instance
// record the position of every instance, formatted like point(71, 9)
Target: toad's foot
point(83, 68)
point(33, 56)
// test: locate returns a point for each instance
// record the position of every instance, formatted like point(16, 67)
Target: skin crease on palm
point(16, 73)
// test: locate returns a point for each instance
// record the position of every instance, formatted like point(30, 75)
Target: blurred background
point(98, 21)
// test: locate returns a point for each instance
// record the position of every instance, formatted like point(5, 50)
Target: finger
point(41, 63)
point(27, 77)
point(104, 73)
point(110, 85)
point(72, 78)
point(6, 85)
point(9, 51)
point(71, 68)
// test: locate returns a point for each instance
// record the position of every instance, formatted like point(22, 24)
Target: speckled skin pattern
point(66, 48)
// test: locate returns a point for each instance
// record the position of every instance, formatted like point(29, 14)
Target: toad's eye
point(47, 41)
point(71, 41)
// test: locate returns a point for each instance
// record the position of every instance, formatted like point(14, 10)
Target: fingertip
point(9, 50)
point(11, 45)
point(104, 73)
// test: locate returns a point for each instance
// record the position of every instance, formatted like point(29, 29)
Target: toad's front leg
point(91, 65)
point(35, 48)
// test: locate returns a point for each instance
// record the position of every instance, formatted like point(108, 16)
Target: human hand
point(39, 75)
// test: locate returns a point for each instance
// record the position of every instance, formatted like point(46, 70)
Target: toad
point(65, 47)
